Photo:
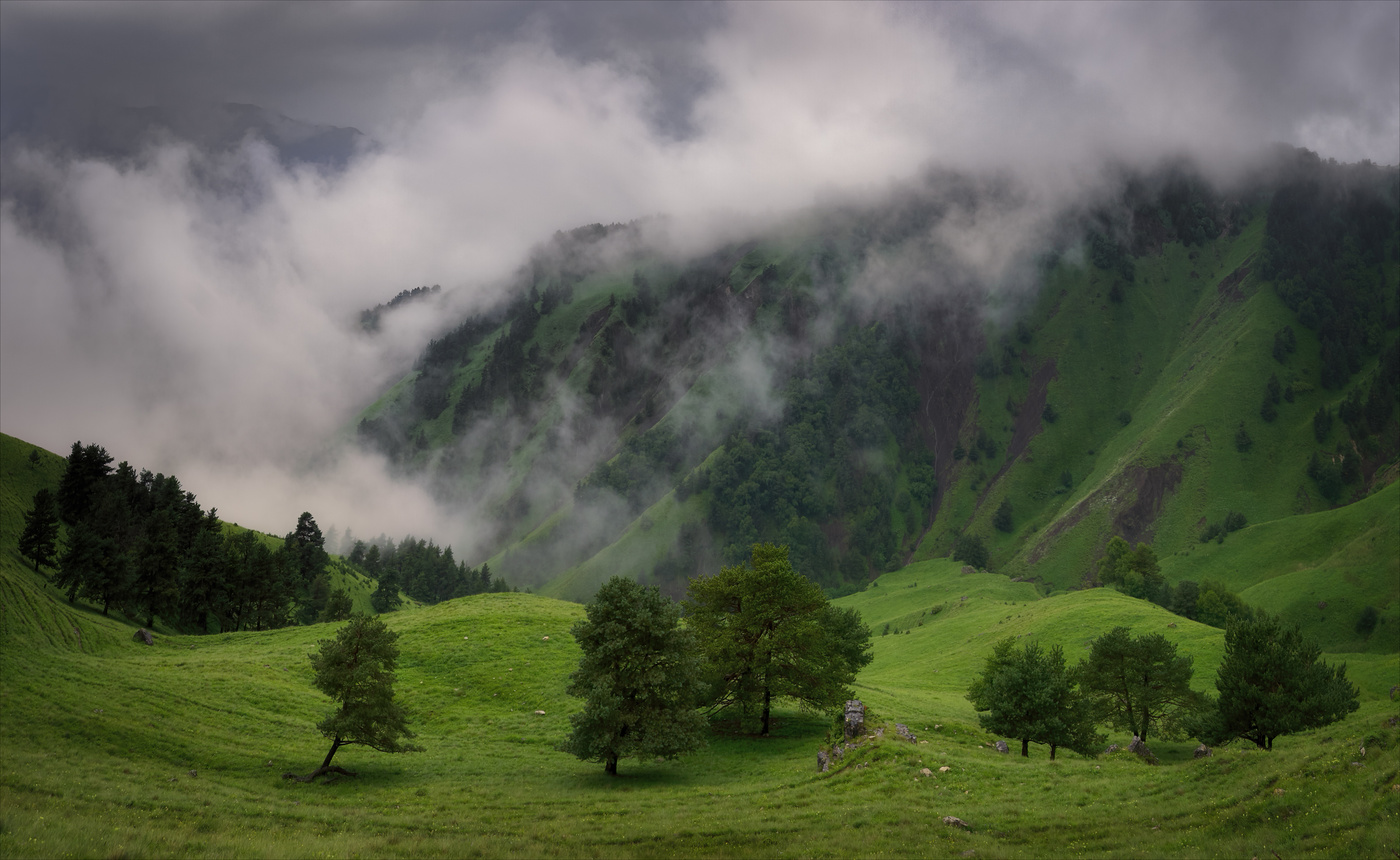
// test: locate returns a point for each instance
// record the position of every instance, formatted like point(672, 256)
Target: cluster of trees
point(1367, 414)
point(815, 469)
point(1135, 572)
point(1326, 240)
point(1270, 683)
point(370, 317)
point(420, 569)
point(140, 543)
point(755, 632)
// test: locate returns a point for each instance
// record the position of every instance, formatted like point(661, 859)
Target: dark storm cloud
point(366, 65)
point(207, 334)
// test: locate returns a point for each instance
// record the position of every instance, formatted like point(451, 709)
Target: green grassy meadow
point(117, 749)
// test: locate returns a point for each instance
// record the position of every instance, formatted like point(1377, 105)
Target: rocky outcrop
point(1202, 751)
point(143, 635)
point(903, 731)
point(855, 718)
point(1138, 748)
point(1002, 746)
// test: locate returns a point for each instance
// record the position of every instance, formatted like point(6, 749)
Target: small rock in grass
point(944, 769)
point(926, 772)
point(1278, 791)
point(954, 821)
point(1202, 751)
point(194, 773)
point(1002, 747)
point(540, 713)
point(1140, 749)
point(823, 762)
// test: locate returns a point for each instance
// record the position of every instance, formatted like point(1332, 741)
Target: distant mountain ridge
point(121, 132)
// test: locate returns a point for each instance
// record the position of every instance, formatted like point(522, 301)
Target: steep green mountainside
point(856, 389)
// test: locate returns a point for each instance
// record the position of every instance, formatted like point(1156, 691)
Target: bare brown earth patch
point(1028, 424)
point(1149, 487)
point(1230, 286)
point(1135, 495)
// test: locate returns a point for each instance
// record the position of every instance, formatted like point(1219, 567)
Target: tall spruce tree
point(638, 676)
point(39, 540)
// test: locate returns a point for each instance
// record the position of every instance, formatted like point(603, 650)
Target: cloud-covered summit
point(211, 333)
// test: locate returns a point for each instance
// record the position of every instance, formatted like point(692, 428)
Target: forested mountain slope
point(866, 390)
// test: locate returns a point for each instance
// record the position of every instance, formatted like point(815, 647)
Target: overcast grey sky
point(195, 332)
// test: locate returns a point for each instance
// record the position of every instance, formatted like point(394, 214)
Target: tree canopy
point(356, 669)
point(767, 633)
point(1028, 694)
point(1271, 683)
point(639, 677)
point(1139, 683)
point(39, 540)
point(1134, 572)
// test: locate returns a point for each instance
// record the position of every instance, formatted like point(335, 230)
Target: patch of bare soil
point(1136, 497)
point(1027, 421)
point(1148, 487)
point(1229, 286)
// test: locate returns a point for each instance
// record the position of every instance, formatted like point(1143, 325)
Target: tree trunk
point(767, 701)
point(1025, 748)
point(1052, 752)
point(330, 755)
point(610, 767)
point(1270, 747)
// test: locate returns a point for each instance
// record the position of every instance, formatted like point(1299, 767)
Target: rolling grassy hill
point(118, 749)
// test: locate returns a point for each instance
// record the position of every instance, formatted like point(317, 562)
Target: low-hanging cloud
point(207, 328)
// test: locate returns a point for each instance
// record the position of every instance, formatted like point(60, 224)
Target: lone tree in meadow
point(639, 678)
point(767, 632)
point(1272, 684)
point(356, 669)
point(1138, 683)
point(1028, 694)
point(39, 540)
